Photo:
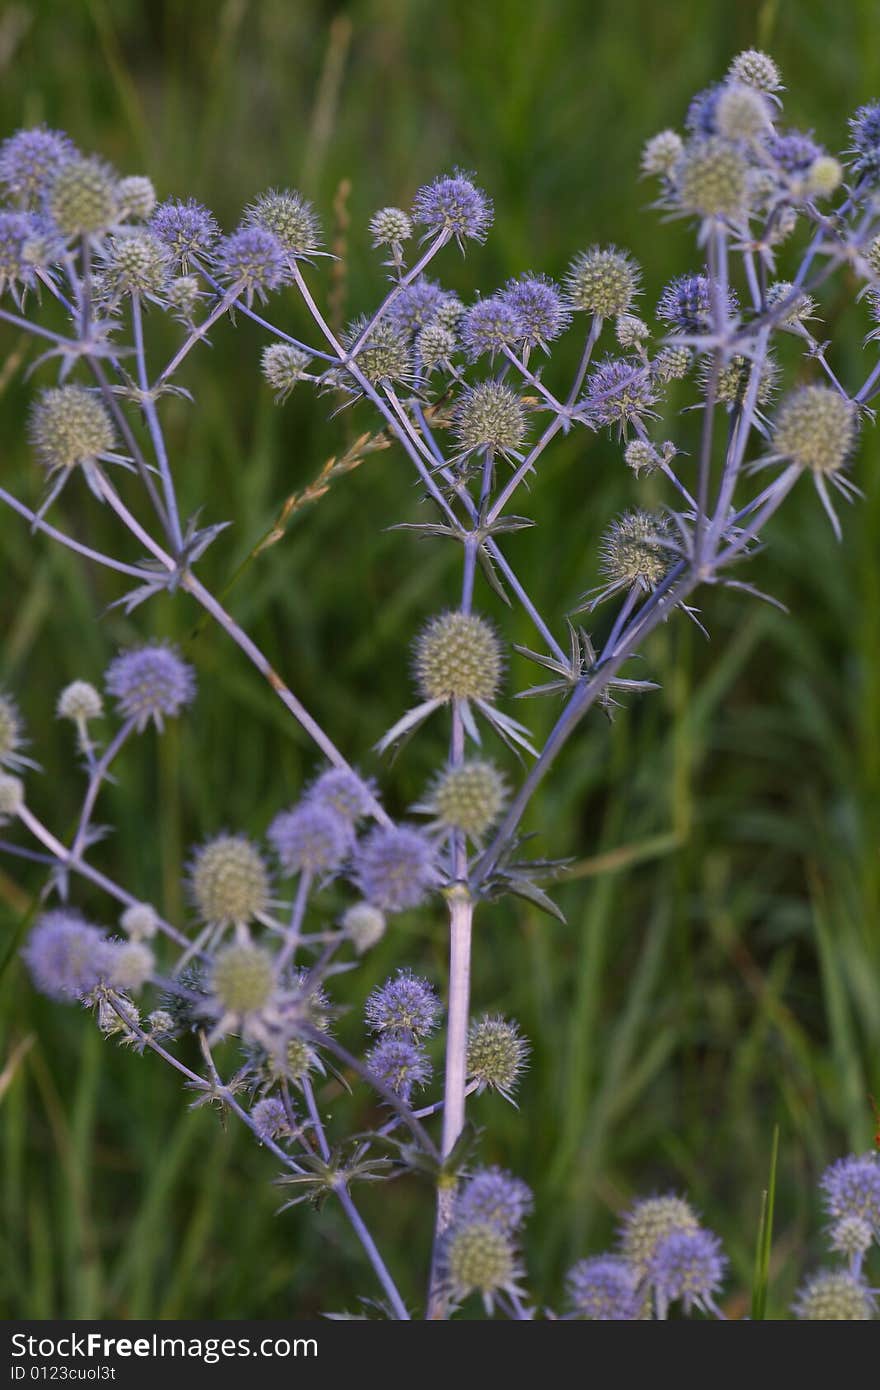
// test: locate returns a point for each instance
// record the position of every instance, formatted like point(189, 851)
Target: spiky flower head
point(742, 112)
point(310, 838)
point(642, 457)
point(418, 304)
point(489, 326)
point(494, 1196)
point(229, 881)
point(137, 263)
point(604, 1289)
point(816, 428)
point(672, 363)
point(11, 796)
point(283, 365)
point(29, 159)
point(187, 228)
point(364, 925)
point(852, 1236)
point(756, 69)
point(865, 131)
point(834, 1295)
point(290, 218)
point(79, 702)
point(131, 965)
point(497, 1054)
point(69, 425)
point(83, 198)
point(687, 1267)
point(434, 346)
point(253, 260)
point(634, 550)
point(184, 294)
point(151, 682)
point(404, 1004)
point(541, 311)
point(732, 381)
point(16, 270)
point(851, 1187)
point(137, 196)
point(468, 797)
point(824, 176)
point(799, 306)
point(140, 921)
point(650, 1221)
point(454, 204)
point(242, 980)
point(458, 657)
point(686, 303)
point(450, 311)
point(478, 1257)
point(400, 1064)
point(630, 330)
point(11, 732)
point(394, 868)
point(342, 791)
point(602, 281)
point(662, 152)
point(390, 226)
point(491, 416)
point(269, 1118)
point(619, 394)
point(385, 354)
point(66, 955)
point(712, 178)
point(794, 152)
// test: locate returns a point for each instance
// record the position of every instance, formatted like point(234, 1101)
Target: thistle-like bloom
point(342, 791)
point(283, 366)
point(70, 425)
point(390, 227)
point(756, 69)
point(310, 838)
point(602, 281)
point(630, 331)
point(405, 1005)
point(468, 797)
point(384, 355)
point(394, 868)
point(491, 416)
point(184, 294)
point(794, 152)
point(686, 1267)
point(604, 1289)
point(229, 881)
point(253, 260)
point(489, 326)
point(733, 379)
point(649, 1222)
point(634, 553)
point(28, 161)
point(11, 733)
point(799, 306)
point(497, 1054)
point(712, 178)
point(496, 1197)
point(541, 311)
point(742, 112)
point(662, 152)
point(453, 204)
point(851, 1187)
point(864, 128)
point(66, 955)
point(137, 263)
point(400, 1064)
point(242, 983)
point(852, 1236)
point(137, 196)
point(479, 1257)
point(82, 198)
point(671, 363)
point(270, 1119)
point(79, 702)
point(16, 270)
point(419, 304)
point(458, 657)
point(290, 218)
point(834, 1295)
point(151, 682)
point(619, 394)
point(434, 347)
point(686, 304)
point(641, 456)
point(11, 796)
point(364, 925)
point(187, 229)
point(816, 428)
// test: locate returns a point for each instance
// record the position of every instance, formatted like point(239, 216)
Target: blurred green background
point(719, 969)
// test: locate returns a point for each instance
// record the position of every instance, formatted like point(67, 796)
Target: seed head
point(79, 702)
point(400, 1064)
point(65, 955)
point(394, 868)
point(69, 425)
point(733, 380)
point(454, 204)
point(497, 1054)
point(83, 197)
point(756, 69)
point(242, 980)
point(496, 1197)
point(742, 112)
point(131, 965)
point(184, 295)
point(140, 922)
point(491, 416)
point(816, 428)
point(629, 330)
point(364, 925)
point(641, 456)
point(712, 178)
point(662, 152)
point(469, 797)
point(283, 366)
point(290, 218)
point(458, 657)
point(310, 838)
point(633, 550)
point(478, 1257)
point(434, 346)
point(229, 881)
point(390, 226)
point(835, 1296)
point(253, 260)
point(687, 1266)
point(385, 354)
point(649, 1222)
point(686, 304)
point(604, 1289)
point(137, 263)
point(489, 326)
point(137, 197)
point(404, 1005)
point(28, 161)
point(671, 363)
point(151, 682)
point(187, 229)
point(11, 796)
point(602, 281)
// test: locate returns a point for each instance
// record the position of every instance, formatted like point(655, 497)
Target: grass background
point(719, 969)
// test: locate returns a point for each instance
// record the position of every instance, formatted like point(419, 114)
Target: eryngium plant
point(470, 395)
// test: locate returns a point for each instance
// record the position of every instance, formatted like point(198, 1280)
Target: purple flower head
point(489, 325)
point(343, 792)
point(29, 158)
point(419, 304)
point(794, 152)
point(400, 1064)
point(394, 868)
point(16, 270)
point(865, 131)
point(604, 1289)
point(494, 1196)
point(851, 1187)
point(151, 682)
point(452, 203)
point(700, 119)
point(65, 955)
point(270, 1118)
point(686, 303)
point(310, 838)
point(687, 1265)
point(619, 393)
point(404, 1005)
point(541, 311)
point(187, 229)
point(254, 260)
